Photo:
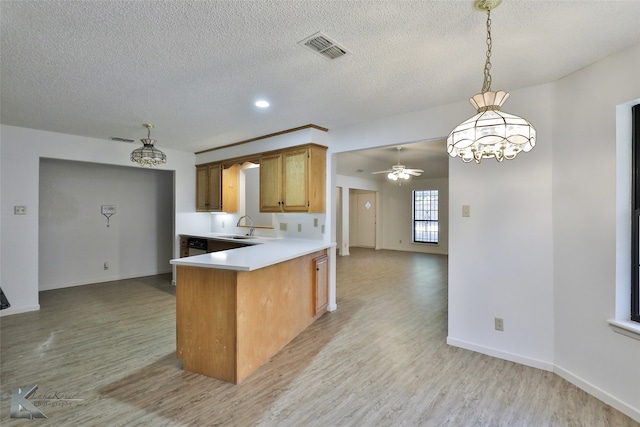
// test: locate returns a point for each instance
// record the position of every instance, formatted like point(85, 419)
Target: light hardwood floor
point(379, 360)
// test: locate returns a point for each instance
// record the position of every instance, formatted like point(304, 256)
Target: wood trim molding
point(246, 141)
point(255, 158)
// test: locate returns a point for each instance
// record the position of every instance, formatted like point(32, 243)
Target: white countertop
point(262, 252)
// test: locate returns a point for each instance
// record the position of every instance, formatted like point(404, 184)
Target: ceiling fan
point(400, 171)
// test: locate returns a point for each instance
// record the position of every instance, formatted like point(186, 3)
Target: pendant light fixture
point(148, 154)
point(491, 132)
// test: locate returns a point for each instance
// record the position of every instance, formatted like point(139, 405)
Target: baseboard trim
point(512, 357)
point(592, 389)
point(102, 280)
point(598, 393)
point(17, 310)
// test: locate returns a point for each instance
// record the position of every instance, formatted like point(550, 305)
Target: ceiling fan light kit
point(148, 154)
point(491, 132)
point(400, 172)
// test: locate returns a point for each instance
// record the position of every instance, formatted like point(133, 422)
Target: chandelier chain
point(486, 85)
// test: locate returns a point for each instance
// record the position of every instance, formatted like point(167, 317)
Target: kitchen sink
point(238, 237)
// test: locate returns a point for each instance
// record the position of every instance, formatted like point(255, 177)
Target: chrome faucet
point(251, 227)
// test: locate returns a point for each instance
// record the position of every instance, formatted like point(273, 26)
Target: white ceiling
point(194, 68)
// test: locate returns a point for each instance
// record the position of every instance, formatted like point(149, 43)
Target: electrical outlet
point(499, 324)
point(283, 226)
point(466, 211)
point(315, 222)
point(19, 210)
point(299, 228)
point(322, 229)
point(399, 241)
point(222, 224)
point(106, 265)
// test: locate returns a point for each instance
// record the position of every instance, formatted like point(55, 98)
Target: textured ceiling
point(194, 68)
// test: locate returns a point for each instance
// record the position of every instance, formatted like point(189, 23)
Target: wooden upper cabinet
point(230, 178)
point(293, 180)
point(208, 190)
point(216, 187)
point(270, 179)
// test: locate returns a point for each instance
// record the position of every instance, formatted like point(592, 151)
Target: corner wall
point(501, 257)
point(588, 352)
point(75, 239)
point(21, 150)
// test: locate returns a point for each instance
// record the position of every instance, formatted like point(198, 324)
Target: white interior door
point(365, 223)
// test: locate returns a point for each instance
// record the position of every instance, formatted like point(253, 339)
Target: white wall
point(21, 150)
point(74, 239)
point(587, 351)
point(501, 257)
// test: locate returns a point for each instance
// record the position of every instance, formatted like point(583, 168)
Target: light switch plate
point(466, 211)
point(283, 226)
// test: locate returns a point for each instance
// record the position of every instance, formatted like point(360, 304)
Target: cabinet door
point(208, 187)
point(321, 288)
point(215, 187)
point(202, 187)
point(317, 178)
point(270, 171)
point(295, 181)
point(230, 189)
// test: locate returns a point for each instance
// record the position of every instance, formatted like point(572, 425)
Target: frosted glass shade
point(491, 132)
point(148, 154)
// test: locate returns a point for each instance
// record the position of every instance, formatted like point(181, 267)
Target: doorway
point(362, 218)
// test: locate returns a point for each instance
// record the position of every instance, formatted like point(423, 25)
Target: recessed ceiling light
point(262, 104)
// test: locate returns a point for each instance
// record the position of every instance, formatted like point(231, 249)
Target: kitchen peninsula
point(237, 308)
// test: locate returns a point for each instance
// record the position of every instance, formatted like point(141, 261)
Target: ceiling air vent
point(322, 45)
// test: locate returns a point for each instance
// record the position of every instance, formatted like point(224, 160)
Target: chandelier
point(148, 154)
point(491, 132)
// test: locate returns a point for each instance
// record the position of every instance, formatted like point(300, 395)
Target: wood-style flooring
point(104, 355)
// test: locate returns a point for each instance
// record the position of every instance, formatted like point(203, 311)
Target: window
point(425, 216)
point(635, 214)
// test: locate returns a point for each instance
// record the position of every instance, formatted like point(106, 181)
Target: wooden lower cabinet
point(229, 323)
point(321, 282)
point(184, 246)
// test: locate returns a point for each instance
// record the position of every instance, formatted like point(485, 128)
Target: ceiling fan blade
point(413, 172)
point(387, 171)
